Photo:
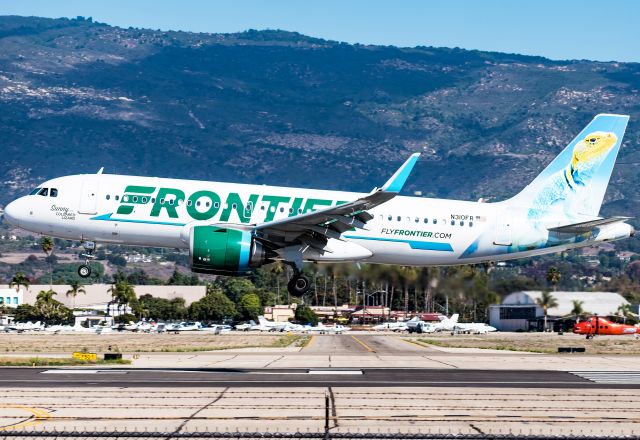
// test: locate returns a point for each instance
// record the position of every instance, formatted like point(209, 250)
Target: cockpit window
point(53, 193)
point(44, 192)
point(35, 191)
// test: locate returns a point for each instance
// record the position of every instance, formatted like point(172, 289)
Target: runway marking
point(338, 372)
point(38, 416)
point(617, 377)
point(363, 344)
point(310, 343)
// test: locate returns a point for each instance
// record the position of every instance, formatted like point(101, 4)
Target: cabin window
point(153, 200)
point(470, 224)
point(189, 202)
point(44, 192)
point(117, 197)
point(135, 199)
point(234, 206)
point(171, 202)
point(299, 210)
point(390, 218)
point(144, 200)
point(461, 222)
point(290, 210)
point(53, 193)
point(426, 220)
point(262, 208)
point(198, 203)
point(281, 209)
point(453, 222)
point(417, 220)
point(399, 218)
point(108, 196)
point(162, 201)
point(435, 221)
point(207, 204)
point(216, 205)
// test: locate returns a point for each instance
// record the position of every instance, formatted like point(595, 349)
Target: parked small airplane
point(596, 325)
point(478, 328)
point(419, 326)
point(231, 229)
point(391, 326)
point(335, 329)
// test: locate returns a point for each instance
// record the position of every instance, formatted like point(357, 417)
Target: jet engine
point(225, 251)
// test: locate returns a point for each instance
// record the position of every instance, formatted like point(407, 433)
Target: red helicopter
point(596, 325)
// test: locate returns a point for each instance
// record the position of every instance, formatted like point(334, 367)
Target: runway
point(293, 378)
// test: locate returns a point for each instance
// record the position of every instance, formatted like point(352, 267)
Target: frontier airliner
point(230, 229)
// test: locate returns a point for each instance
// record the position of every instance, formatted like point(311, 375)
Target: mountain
point(282, 108)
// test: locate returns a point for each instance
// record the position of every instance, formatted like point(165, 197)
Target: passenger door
point(88, 197)
point(502, 234)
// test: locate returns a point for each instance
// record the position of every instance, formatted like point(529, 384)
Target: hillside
point(276, 107)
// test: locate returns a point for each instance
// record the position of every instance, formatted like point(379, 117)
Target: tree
point(546, 301)
point(625, 312)
point(122, 294)
point(249, 306)
point(162, 308)
point(553, 277)
point(76, 287)
point(46, 243)
point(236, 288)
point(50, 310)
point(19, 279)
point(577, 309)
point(305, 315)
point(214, 306)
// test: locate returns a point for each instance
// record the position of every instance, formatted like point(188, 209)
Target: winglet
point(397, 181)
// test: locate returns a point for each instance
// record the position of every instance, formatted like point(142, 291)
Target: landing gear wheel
point(84, 270)
point(298, 285)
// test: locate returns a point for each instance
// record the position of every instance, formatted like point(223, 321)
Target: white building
point(97, 296)
point(519, 309)
point(10, 297)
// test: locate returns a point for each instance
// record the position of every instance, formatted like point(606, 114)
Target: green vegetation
point(55, 362)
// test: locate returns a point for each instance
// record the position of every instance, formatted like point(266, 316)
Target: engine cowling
point(225, 251)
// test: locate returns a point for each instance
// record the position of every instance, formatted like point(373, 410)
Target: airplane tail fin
point(262, 320)
point(574, 183)
point(454, 318)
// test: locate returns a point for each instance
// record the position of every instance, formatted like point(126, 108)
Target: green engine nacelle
point(224, 251)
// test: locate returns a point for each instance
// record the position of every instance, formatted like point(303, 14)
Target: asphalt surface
point(291, 378)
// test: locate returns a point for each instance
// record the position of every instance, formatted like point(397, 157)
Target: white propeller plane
point(231, 229)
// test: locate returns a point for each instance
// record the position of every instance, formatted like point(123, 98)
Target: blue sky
point(558, 29)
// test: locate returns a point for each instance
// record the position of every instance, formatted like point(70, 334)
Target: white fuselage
point(158, 212)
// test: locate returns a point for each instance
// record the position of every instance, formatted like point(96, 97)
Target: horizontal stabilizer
point(581, 228)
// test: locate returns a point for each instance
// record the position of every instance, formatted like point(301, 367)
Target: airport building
point(97, 296)
point(519, 311)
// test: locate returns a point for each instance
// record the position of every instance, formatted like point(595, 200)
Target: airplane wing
point(588, 226)
point(313, 229)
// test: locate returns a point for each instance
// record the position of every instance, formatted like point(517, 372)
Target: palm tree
point(553, 277)
point(47, 247)
point(122, 294)
point(277, 269)
point(546, 301)
point(625, 311)
point(577, 310)
point(19, 279)
point(76, 287)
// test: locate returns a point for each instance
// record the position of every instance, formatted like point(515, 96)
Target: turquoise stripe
point(108, 218)
point(420, 245)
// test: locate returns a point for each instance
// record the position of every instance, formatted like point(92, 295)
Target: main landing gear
point(89, 248)
point(298, 284)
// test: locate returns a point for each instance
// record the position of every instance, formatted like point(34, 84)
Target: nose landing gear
point(299, 284)
point(85, 270)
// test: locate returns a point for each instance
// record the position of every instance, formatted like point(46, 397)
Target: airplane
point(478, 328)
point(231, 229)
point(417, 325)
point(336, 329)
point(271, 326)
point(391, 326)
point(596, 325)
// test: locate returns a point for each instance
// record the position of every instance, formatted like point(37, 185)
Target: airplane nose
point(11, 213)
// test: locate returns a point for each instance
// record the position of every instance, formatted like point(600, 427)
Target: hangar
point(519, 311)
